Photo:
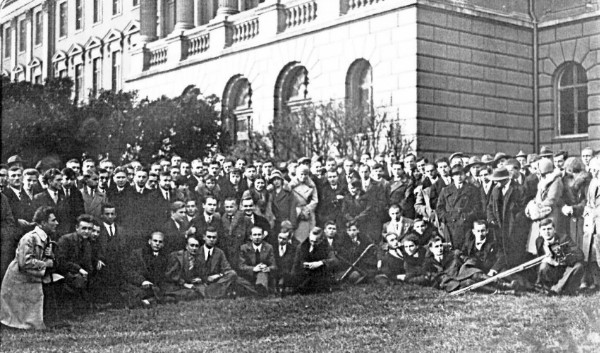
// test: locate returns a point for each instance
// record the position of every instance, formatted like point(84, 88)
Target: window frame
point(574, 87)
point(22, 36)
point(116, 8)
point(7, 43)
point(62, 25)
point(38, 36)
point(96, 12)
point(79, 15)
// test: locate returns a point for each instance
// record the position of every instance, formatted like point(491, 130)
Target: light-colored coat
point(21, 296)
point(591, 222)
point(307, 199)
point(549, 194)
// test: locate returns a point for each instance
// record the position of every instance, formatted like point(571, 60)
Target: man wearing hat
point(458, 206)
point(456, 159)
point(546, 152)
point(505, 213)
point(15, 161)
point(514, 170)
point(521, 157)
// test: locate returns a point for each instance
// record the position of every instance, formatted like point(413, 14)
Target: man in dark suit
point(159, 203)
point(183, 272)
point(19, 194)
point(444, 179)
point(375, 201)
point(120, 193)
point(176, 229)
point(208, 218)
point(330, 201)
point(94, 191)
point(72, 194)
point(458, 206)
point(257, 261)
point(232, 186)
point(215, 272)
point(401, 191)
point(314, 264)
point(54, 197)
point(195, 178)
point(284, 257)
point(255, 220)
point(144, 273)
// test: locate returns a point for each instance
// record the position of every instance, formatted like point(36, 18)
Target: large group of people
point(95, 235)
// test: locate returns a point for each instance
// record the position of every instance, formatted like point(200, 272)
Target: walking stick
point(354, 265)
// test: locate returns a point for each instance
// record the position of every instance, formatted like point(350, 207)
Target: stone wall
point(474, 84)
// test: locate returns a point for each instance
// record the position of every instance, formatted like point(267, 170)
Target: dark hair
point(51, 174)
point(69, 173)
point(329, 223)
point(105, 206)
point(85, 218)
point(42, 214)
point(480, 222)
point(442, 160)
point(546, 221)
point(177, 205)
point(211, 229)
point(120, 169)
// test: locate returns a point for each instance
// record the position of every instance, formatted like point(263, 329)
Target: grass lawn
point(359, 319)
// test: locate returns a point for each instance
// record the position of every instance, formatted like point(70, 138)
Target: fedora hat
point(545, 151)
point(499, 174)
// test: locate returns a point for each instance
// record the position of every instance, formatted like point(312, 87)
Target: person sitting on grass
point(482, 250)
point(354, 246)
point(183, 272)
point(215, 271)
point(145, 274)
point(558, 274)
point(398, 224)
point(424, 231)
point(314, 264)
point(257, 261)
point(391, 262)
point(414, 257)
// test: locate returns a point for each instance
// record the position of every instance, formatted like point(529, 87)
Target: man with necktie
point(314, 264)
point(257, 261)
point(215, 272)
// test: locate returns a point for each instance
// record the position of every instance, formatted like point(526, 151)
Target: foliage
point(258, 147)
point(401, 318)
point(41, 120)
point(331, 129)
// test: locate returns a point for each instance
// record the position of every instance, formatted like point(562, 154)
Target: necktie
point(230, 217)
point(111, 230)
point(54, 196)
point(19, 195)
point(208, 255)
point(208, 219)
point(67, 192)
point(155, 253)
point(310, 250)
point(281, 251)
point(257, 256)
point(191, 263)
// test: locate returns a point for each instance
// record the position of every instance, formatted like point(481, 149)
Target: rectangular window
point(95, 75)
point(116, 71)
point(79, 82)
point(78, 14)
point(63, 24)
point(7, 42)
point(116, 7)
point(22, 36)
point(97, 11)
point(39, 27)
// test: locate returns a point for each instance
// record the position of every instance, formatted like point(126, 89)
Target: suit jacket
point(142, 266)
point(228, 190)
point(248, 258)
point(74, 253)
point(401, 193)
point(405, 226)
point(113, 248)
point(92, 204)
point(285, 263)
point(458, 209)
point(76, 203)
point(21, 208)
point(158, 209)
point(216, 264)
point(178, 269)
point(175, 237)
point(489, 257)
point(574, 254)
point(63, 214)
point(283, 205)
point(329, 207)
point(321, 252)
point(436, 190)
point(199, 222)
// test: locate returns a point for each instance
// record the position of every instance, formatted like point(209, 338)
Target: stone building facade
point(474, 76)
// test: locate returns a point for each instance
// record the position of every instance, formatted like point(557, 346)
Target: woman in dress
point(307, 198)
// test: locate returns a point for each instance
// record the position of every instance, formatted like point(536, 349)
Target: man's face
point(267, 168)
point(364, 159)
point(15, 178)
point(250, 173)
point(352, 189)
point(197, 168)
point(364, 172)
point(95, 233)
point(259, 184)
point(130, 174)
point(56, 183)
point(87, 166)
point(522, 160)
point(330, 231)
point(459, 178)
point(120, 179)
point(69, 183)
point(193, 246)
point(256, 236)
point(230, 207)
point(84, 229)
point(210, 205)
point(234, 178)
point(220, 159)
point(419, 227)
point(190, 208)
point(109, 166)
point(164, 165)
point(29, 181)
point(586, 157)
point(210, 184)
point(378, 173)
point(484, 176)
point(409, 247)
point(179, 215)
point(437, 248)
point(456, 161)
point(174, 173)
point(210, 239)
point(331, 166)
point(314, 239)
point(75, 166)
point(332, 178)
point(443, 169)
point(135, 165)
point(103, 180)
point(283, 238)
point(430, 171)
point(155, 168)
point(213, 168)
point(392, 242)
point(50, 225)
point(165, 182)
point(316, 168)
point(394, 213)
point(109, 215)
point(152, 182)
point(240, 164)
point(410, 162)
point(175, 161)
point(157, 241)
point(474, 171)
point(348, 167)
point(227, 167)
point(141, 178)
point(421, 166)
point(480, 231)
point(353, 232)
point(248, 206)
point(559, 162)
point(547, 232)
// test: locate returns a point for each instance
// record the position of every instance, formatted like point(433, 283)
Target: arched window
point(571, 95)
point(291, 89)
point(359, 88)
point(237, 107)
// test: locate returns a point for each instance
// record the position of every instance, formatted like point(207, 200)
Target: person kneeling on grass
point(183, 272)
point(145, 274)
point(354, 247)
point(558, 274)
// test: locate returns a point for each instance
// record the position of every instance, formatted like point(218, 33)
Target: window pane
point(566, 100)
point(566, 124)
point(582, 122)
point(567, 77)
point(39, 28)
point(581, 75)
point(22, 36)
point(582, 98)
point(7, 42)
